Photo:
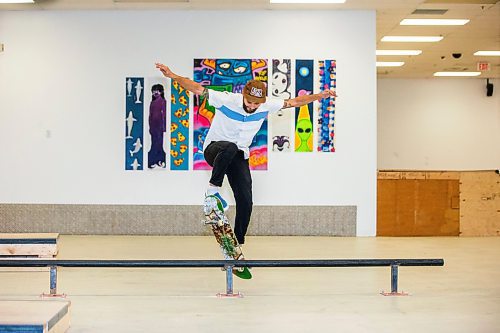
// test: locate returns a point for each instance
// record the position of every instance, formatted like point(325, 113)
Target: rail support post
point(53, 284)
point(229, 283)
point(394, 282)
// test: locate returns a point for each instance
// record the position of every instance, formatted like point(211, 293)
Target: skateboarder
point(237, 119)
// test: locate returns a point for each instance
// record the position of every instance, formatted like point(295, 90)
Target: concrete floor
point(462, 296)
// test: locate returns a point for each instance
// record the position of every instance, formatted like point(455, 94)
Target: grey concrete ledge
point(172, 220)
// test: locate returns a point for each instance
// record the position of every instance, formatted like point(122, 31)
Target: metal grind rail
point(227, 265)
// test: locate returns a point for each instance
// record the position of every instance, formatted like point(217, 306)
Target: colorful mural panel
point(226, 75)
point(304, 85)
point(155, 127)
point(281, 121)
point(179, 128)
point(134, 115)
point(326, 119)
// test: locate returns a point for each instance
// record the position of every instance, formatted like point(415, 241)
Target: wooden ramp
point(28, 245)
point(40, 316)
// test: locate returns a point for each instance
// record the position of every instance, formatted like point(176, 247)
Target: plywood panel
point(47, 316)
point(28, 244)
point(18, 236)
point(417, 207)
point(480, 203)
point(388, 174)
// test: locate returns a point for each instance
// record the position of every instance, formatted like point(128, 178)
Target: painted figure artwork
point(179, 128)
point(226, 75)
point(281, 122)
point(134, 114)
point(326, 119)
point(304, 70)
point(157, 126)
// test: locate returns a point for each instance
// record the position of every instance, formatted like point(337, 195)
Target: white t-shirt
point(232, 123)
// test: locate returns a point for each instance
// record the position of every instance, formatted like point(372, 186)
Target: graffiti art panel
point(226, 75)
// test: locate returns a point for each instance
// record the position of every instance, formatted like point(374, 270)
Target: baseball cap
point(255, 91)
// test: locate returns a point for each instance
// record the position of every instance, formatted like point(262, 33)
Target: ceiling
point(481, 33)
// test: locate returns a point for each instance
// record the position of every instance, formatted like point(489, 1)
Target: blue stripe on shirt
point(241, 118)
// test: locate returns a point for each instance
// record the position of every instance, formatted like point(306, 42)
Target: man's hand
point(306, 99)
point(165, 70)
point(183, 81)
point(328, 93)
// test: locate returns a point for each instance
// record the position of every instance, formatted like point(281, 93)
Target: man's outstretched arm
point(183, 81)
point(306, 99)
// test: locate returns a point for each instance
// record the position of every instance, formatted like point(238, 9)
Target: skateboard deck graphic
point(218, 222)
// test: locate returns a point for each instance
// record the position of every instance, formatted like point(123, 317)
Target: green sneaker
point(243, 274)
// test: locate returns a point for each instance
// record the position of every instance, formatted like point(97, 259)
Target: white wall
point(62, 103)
point(438, 124)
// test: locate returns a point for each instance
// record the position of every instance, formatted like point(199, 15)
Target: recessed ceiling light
point(306, 1)
point(433, 22)
point(390, 63)
point(487, 53)
point(397, 52)
point(17, 1)
point(457, 73)
point(414, 39)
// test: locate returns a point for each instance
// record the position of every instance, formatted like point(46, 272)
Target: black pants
point(227, 159)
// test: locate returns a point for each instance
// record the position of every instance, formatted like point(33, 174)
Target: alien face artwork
point(304, 131)
point(304, 85)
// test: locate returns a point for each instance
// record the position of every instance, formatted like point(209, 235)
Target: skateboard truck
point(229, 284)
point(219, 223)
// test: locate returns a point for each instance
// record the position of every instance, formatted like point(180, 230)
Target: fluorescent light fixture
point(390, 63)
point(17, 1)
point(488, 53)
point(457, 73)
point(433, 22)
point(397, 52)
point(307, 1)
point(150, 1)
point(414, 39)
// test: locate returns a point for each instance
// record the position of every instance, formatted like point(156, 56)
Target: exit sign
point(483, 66)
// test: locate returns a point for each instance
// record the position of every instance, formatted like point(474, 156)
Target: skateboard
point(218, 222)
